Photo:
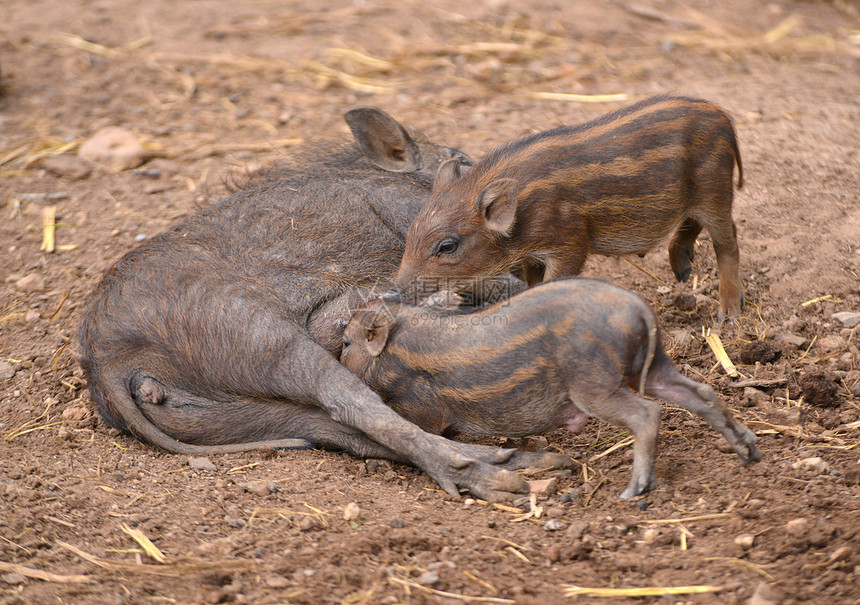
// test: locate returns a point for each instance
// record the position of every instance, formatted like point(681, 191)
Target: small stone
point(116, 148)
point(31, 283)
point(543, 486)
point(75, 413)
point(12, 578)
point(764, 595)
point(428, 578)
point(814, 462)
point(847, 318)
point(259, 488)
point(202, 464)
point(744, 540)
point(220, 483)
point(351, 512)
point(685, 302)
point(830, 343)
point(650, 535)
point(32, 315)
point(397, 523)
point(554, 525)
point(642, 505)
point(276, 581)
point(308, 524)
point(67, 165)
point(140, 237)
point(663, 290)
point(797, 527)
point(468, 502)
point(817, 540)
point(554, 512)
point(7, 370)
point(792, 340)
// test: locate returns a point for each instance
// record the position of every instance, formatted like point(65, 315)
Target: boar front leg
point(310, 372)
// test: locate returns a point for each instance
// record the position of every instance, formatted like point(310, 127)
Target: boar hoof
point(462, 461)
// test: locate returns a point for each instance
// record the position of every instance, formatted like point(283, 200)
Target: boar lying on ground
point(222, 333)
point(549, 357)
point(617, 185)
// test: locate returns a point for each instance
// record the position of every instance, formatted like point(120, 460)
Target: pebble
point(642, 505)
point(7, 370)
point(554, 525)
point(351, 512)
point(12, 578)
point(397, 523)
point(67, 165)
point(848, 319)
point(428, 578)
point(543, 486)
point(745, 540)
point(793, 340)
point(797, 527)
point(814, 462)
point(276, 581)
point(764, 595)
point(32, 315)
point(260, 488)
point(30, 283)
point(115, 147)
point(202, 464)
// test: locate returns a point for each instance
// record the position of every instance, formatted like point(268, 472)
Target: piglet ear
point(376, 327)
point(497, 204)
point(448, 172)
point(383, 140)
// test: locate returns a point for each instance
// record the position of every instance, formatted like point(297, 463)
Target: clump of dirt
point(758, 350)
point(819, 388)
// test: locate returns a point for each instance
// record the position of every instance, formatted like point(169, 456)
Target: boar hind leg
point(666, 383)
point(681, 250)
point(310, 373)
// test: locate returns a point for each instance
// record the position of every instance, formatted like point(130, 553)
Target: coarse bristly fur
point(221, 333)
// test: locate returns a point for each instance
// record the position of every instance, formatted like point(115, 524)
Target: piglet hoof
point(638, 485)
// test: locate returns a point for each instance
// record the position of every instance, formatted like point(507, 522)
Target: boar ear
point(375, 330)
point(382, 139)
point(497, 203)
point(449, 171)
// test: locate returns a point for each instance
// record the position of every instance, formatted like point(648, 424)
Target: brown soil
point(213, 86)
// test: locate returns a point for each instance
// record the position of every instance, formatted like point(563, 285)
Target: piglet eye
point(447, 246)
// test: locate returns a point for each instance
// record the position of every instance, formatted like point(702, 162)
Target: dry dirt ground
point(215, 86)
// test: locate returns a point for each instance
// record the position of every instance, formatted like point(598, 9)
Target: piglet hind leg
point(642, 417)
point(666, 383)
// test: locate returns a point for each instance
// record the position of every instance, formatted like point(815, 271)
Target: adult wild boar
point(221, 333)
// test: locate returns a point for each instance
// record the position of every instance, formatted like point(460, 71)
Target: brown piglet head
point(462, 233)
point(366, 335)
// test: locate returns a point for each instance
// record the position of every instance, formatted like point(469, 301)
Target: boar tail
point(653, 340)
point(115, 390)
